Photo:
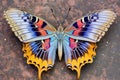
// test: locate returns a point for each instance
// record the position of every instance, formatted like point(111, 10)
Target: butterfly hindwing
point(41, 54)
point(78, 53)
point(37, 36)
point(81, 37)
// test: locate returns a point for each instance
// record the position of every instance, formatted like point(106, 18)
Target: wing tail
point(79, 55)
point(76, 64)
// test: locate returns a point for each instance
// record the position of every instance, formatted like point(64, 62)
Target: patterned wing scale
point(81, 37)
point(37, 37)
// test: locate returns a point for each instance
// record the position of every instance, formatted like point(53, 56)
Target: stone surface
point(106, 65)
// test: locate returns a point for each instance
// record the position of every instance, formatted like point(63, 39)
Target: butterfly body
point(41, 40)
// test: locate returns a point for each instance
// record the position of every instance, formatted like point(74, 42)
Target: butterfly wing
point(28, 27)
point(37, 36)
point(91, 27)
point(81, 37)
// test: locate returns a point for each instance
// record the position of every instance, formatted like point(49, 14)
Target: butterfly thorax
point(60, 33)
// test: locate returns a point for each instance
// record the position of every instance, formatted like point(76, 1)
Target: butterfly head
point(60, 28)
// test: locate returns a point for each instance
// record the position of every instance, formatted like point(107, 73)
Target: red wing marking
point(39, 23)
point(46, 44)
point(80, 24)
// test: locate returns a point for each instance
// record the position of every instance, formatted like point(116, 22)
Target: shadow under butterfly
point(41, 40)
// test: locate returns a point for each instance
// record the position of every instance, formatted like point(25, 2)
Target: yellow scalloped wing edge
point(76, 64)
point(42, 65)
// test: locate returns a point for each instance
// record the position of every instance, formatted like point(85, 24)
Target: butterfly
point(41, 40)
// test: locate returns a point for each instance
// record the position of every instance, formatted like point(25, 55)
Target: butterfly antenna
point(66, 16)
point(55, 17)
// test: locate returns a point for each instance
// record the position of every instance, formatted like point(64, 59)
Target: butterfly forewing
point(92, 27)
point(28, 27)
